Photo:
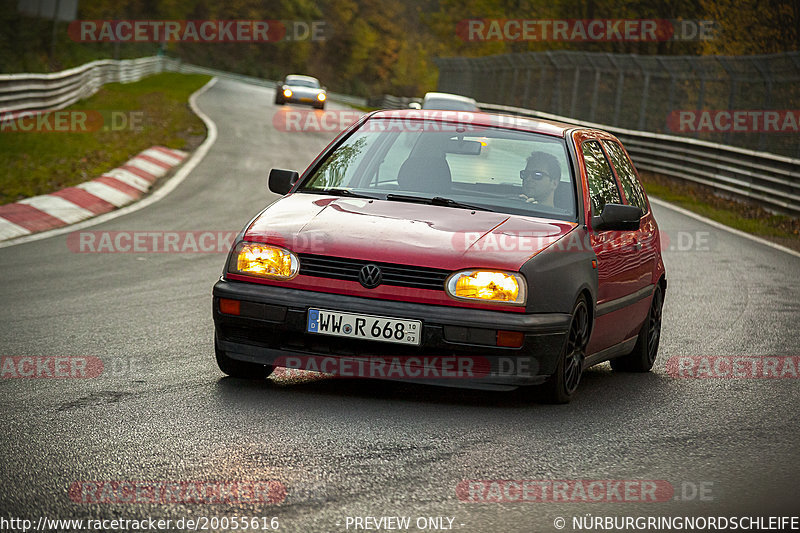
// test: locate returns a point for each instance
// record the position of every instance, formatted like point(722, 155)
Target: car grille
point(415, 277)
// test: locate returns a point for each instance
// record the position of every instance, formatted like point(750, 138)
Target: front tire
point(561, 386)
point(643, 356)
point(240, 369)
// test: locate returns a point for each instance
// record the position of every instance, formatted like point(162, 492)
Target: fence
point(636, 92)
point(38, 92)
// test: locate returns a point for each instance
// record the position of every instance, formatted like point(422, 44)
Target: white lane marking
point(167, 188)
point(125, 176)
point(107, 193)
point(723, 227)
point(58, 207)
point(147, 166)
point(161, 156)
point(9, 230)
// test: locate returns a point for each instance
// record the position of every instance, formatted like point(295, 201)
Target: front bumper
point(272, 326)
point(304, 100)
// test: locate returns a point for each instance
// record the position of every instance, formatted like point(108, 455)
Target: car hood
point(304, 92)
point(405, 233)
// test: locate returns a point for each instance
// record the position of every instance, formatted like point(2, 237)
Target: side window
point(626, 174)
point(602, 186)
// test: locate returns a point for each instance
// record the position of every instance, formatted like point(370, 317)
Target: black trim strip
point(624, 301)
point(618, 350)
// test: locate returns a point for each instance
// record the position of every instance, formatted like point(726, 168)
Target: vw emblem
point(370, 276)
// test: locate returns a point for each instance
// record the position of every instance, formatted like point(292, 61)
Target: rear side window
point(627, 175)
point(602, 186)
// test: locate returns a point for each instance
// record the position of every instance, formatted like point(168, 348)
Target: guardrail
point(41, 92)
point(772, 181)
point(387, 101)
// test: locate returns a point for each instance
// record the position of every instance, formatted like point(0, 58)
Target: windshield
point(491, 168)
point(302, 82)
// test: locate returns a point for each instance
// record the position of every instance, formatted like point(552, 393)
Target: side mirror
point(281, 181)
point(617, 217)
point(414, 105)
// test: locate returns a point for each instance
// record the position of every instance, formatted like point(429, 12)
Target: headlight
point(263, 261)
point(321, 97)
point(487, 286)
point(287, 93)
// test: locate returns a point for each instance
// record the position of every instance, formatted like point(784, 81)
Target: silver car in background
point(449, 102)
point(297, 89)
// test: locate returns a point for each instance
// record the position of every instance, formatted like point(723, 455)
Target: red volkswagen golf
point(456, 248)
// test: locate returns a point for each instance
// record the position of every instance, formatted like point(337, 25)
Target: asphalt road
point(162, 411)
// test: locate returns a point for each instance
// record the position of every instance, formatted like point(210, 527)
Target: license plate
point(368, 327)
point(306, 100)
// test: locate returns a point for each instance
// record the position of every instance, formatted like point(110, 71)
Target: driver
point(540, 179)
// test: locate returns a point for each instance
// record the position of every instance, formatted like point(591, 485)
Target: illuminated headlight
point(287, 93)
point(487, 286)
point(321, 97)
point(263, 261)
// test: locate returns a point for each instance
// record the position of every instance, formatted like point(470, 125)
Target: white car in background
point(448, 102)
point(297, 89)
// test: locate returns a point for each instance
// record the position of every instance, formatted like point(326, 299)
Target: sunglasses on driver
point(533, 174)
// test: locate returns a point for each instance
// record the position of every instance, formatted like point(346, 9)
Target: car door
point(646, 239)
point(623, 275)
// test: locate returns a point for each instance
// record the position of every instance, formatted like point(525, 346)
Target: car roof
point(301, 77)
point(450, 96)
point(476, 118)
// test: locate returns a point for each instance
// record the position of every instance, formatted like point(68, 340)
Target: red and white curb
point(110, 191)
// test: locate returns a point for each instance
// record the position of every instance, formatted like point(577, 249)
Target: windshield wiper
point(339, 192)
point(436, 200)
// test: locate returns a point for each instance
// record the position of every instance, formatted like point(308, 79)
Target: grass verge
point(153, 111)
point(781, 229)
